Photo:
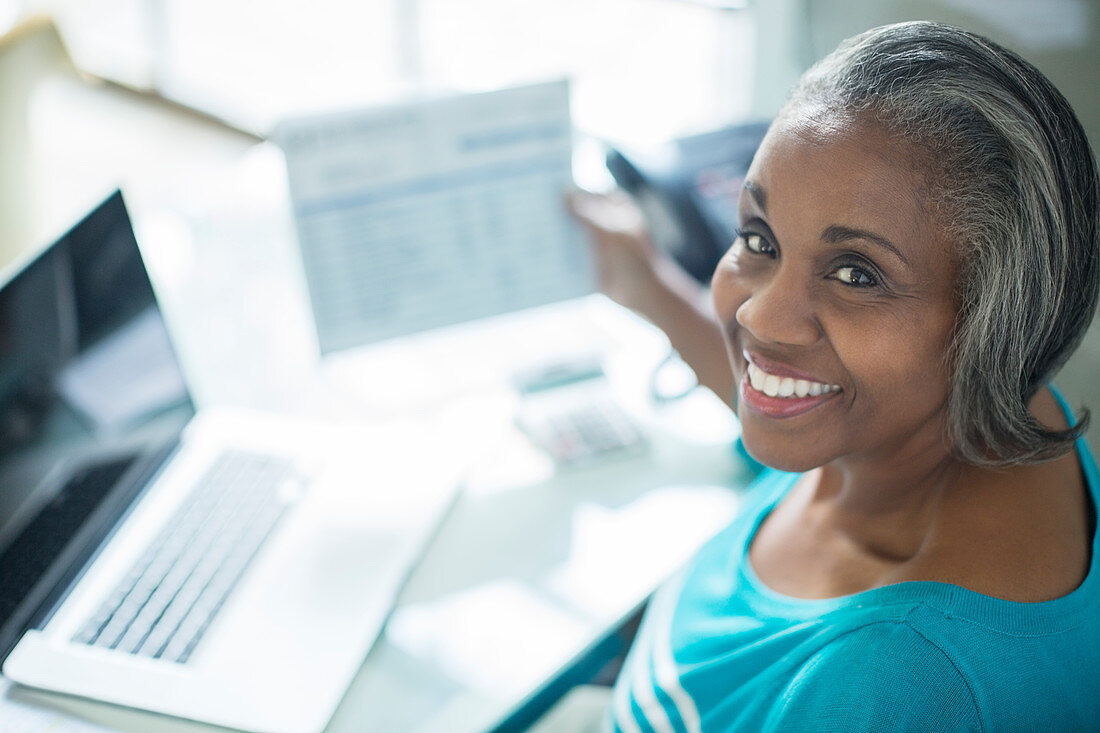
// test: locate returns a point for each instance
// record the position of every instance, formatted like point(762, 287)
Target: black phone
point(688, 190)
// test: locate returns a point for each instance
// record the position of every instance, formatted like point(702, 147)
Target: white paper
point(21, 717)
point(433, 213)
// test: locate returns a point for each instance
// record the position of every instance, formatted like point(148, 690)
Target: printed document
point(436, 212)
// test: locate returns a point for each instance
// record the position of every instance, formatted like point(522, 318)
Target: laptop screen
point(86, 369)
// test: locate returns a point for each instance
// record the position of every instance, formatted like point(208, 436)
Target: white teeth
point(774, 386)
point(756, 377)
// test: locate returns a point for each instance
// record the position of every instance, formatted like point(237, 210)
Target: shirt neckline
point(1016, 617)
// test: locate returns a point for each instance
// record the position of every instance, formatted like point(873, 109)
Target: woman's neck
point(885, 507)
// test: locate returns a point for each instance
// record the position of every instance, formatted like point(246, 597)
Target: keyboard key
point(168, 599)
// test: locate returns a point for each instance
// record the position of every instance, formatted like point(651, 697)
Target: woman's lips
point(776, 368)
point(780, 407)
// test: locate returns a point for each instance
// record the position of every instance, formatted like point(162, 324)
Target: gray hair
point(1013, 180)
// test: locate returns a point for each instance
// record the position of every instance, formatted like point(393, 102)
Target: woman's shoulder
point(932, 670)
point(884, 675)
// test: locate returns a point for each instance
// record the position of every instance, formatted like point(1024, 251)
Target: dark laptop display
point(91, 397)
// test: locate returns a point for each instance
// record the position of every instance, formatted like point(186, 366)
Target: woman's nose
point(781, 310)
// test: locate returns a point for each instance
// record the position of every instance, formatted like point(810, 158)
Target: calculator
point(577, 420)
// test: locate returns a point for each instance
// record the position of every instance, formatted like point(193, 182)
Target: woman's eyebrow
point(836, 234)
point(758, 194)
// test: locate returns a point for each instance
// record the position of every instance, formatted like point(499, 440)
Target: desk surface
point(534, 565)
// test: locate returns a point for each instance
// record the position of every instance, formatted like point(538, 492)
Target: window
point(642, 69)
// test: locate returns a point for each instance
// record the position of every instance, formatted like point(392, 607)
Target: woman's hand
point(627, 262)
point(635, 274)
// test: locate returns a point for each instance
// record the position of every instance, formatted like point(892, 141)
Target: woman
point(918, 255)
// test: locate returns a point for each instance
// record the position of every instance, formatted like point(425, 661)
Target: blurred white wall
point(1061, 37)
point(28, 53)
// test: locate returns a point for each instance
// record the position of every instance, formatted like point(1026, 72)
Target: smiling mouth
point(776, 395)
point(786, 387)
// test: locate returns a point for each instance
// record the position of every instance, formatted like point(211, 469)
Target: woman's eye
point(757, 244)
point(855, 276)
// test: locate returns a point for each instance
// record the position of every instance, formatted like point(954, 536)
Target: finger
point(609, 213)
point(583, 205)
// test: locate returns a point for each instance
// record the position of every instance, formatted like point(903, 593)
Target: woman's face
point(836, 299)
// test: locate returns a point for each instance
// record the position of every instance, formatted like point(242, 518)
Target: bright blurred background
point(214, 76)
point(642, 69)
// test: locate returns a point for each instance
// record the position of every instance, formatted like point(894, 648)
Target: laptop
point(220, 565)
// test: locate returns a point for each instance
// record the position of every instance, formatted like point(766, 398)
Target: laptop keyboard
point(168, 599)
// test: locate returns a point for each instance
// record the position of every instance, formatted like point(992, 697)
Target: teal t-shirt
point(720, 651)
